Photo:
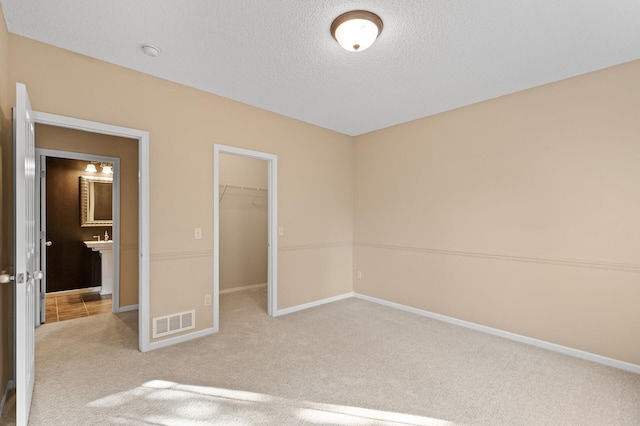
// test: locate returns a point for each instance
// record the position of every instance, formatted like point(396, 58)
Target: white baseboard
point(179, 339)
point(10, 386)
point(297, 308)
point(511, 336)
point(74, 291)
point(242, 288)
point(127, 308)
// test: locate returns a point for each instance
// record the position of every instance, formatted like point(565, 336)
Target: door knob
point(48, 243)
point(5, 278)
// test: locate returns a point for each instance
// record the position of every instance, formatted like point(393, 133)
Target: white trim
point(144, 315)
point(10, 386)
point(155, 257)
point(272, 232)
point(115, 227)
point(631, 267)
point(74, 291)
point(143, 203)
point(180, 339)
point(128, 308)
point(313, 304)
point(508, 335)
point(41, 252)
point(316, 246)
point(242, 288)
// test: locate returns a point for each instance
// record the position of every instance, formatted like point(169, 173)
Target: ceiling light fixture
point(150, 50)
point(356, 30)
point(91, 168)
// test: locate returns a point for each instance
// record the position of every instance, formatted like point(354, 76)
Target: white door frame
point(143, 204)
point(115, 214)
point(272, 233)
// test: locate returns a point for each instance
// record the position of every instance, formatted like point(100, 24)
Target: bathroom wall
point(70, 265)
point(243, 222)
point(58, 138)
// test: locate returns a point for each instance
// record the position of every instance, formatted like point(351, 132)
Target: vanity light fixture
point(107, 168)
point(356, 30)
point(91, 168)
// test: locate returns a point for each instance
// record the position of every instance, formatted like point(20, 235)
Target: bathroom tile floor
point(71, 306)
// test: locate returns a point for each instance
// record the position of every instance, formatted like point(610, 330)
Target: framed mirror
point(96, 198)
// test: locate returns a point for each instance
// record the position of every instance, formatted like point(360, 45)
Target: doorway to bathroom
point(79, 225)
point(141, 245)
point(89, 193)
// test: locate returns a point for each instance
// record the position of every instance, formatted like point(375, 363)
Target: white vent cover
point(173, 323)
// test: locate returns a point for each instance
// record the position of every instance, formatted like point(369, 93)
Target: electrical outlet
point(359, 275)
point(198, 234)
point(207, 300)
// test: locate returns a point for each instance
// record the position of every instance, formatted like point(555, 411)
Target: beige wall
point(6, 215)
point(63, 139)
point(315, 173)
point(243, 222)
point(519, 213)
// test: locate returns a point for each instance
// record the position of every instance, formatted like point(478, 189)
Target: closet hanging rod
point(249, 188)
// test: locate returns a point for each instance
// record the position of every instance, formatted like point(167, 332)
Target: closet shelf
point(258, 190)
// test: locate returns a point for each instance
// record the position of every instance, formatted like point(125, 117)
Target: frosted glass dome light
point(356, 30)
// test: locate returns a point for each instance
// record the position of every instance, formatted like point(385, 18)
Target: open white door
point(26, 273)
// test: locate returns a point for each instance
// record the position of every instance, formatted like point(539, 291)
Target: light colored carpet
point(347, 363)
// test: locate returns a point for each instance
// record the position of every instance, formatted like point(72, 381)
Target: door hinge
point(20, 278)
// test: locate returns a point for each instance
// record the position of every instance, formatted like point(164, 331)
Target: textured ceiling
point(432, 56)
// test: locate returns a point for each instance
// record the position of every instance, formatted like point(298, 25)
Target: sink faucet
point(97, 236)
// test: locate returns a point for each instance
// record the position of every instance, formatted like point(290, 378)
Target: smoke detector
point(150, 50)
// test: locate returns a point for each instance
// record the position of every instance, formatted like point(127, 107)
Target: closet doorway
point(247, 181)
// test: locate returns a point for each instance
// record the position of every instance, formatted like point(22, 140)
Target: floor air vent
point(173, 323)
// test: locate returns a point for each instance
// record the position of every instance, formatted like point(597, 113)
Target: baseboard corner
point(127, 308)
point(309, 305)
